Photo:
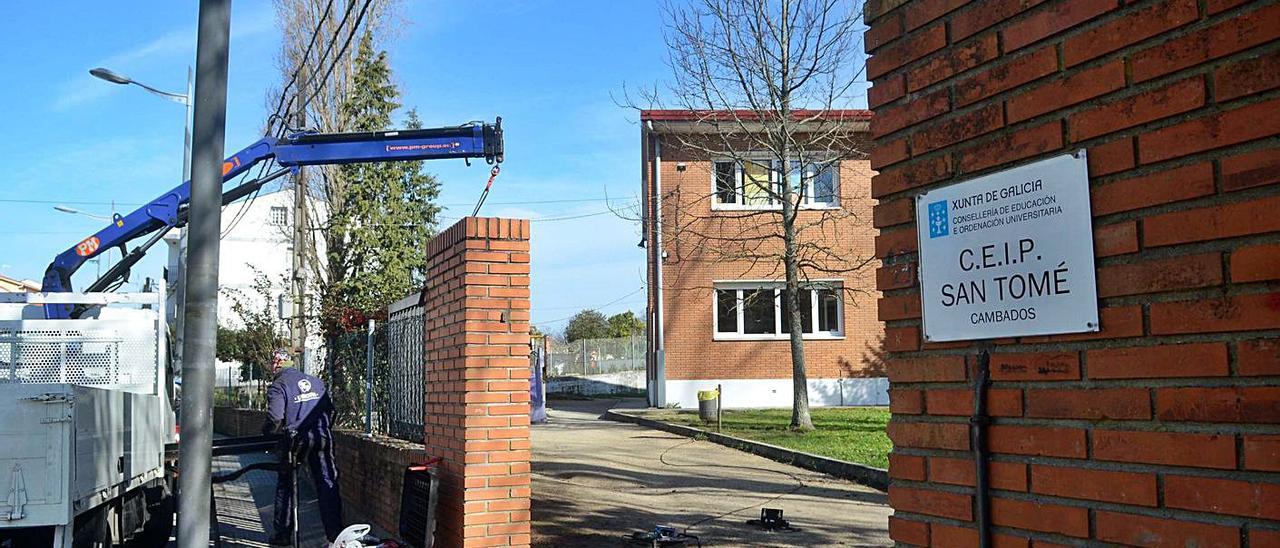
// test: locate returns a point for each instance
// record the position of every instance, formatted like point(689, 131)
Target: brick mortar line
point(1084, 346)
point(1205, 156)
point(1055, 40)
point(1039, 535)
point(1153, 425)
point(1160, 512)
point(1090, 464)
point(951, 150)
point(1102, 384)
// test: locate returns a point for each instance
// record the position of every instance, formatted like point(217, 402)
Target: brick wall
point(477, 342)
point(1164, 428)
point(371, 476)
point(238, 422)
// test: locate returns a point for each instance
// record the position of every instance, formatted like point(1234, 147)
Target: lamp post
point(179, 282)
point(182, 99)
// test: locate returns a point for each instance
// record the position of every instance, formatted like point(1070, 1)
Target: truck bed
point(65, 448)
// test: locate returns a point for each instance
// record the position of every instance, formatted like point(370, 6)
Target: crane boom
point(475, 140)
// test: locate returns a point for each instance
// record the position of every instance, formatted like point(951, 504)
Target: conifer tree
point(376, 240)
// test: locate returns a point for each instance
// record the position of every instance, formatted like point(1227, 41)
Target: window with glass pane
point(279, 215)
point(757, 312)
point(726, 183)
point(828, 310)
point(727, 310)
point(806, 311)
point(756, 180)
point(822, 182)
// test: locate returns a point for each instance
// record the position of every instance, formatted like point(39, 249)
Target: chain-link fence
point(597, 366)
point(382, 390)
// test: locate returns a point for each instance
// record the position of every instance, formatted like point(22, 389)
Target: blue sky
point(548, 68)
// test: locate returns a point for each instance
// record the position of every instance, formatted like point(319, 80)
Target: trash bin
point(708, 405)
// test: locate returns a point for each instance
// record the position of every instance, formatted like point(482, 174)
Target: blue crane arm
point(477, 140)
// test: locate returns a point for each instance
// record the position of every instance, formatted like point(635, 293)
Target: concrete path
point(597, 481)
point(245, 506)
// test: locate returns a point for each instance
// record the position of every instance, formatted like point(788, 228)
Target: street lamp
point(179, 287)
point(75, 211)
point(185, 100)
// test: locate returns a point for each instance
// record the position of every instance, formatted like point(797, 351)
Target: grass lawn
point(854, 434)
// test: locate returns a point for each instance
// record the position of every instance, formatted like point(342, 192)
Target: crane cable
point(493, 174)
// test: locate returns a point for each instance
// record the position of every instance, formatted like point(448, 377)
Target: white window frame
point(271, 216)
point(807, 202)
point(748, 285)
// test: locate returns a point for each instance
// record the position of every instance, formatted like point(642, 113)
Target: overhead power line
point(306, 55)
point(605, 305)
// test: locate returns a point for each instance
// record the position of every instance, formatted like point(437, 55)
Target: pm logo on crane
point(88, 246)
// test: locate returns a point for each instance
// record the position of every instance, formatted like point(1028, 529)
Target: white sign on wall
point(1009, 254)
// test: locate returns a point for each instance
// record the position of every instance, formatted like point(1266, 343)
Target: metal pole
point(201, 325)
point(368, 381)
point(186, 126)
point(719, 407)
point(978, 435)
point(299, 323)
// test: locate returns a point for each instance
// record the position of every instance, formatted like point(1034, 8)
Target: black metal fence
point(378, 378)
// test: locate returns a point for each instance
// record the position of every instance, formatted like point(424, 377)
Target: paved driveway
point(597, 481)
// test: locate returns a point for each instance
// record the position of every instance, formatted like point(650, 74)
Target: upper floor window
point(279, 216)
point(757, 184)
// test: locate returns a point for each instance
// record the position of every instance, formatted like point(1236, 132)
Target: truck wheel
point(159, 525)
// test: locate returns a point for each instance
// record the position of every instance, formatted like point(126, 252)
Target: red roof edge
point(848, 115)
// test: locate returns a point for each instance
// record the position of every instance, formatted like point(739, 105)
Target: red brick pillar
point(1163, 429)
point(477, 340)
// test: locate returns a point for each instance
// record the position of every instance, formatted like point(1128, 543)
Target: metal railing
point(596, 366)
point(118, 343)
point(377, 379)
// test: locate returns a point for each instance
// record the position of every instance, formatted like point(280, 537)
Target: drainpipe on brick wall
point(660, 360)
point(646, 241)
point(978, 432)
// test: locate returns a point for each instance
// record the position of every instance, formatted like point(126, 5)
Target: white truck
point(85, 413)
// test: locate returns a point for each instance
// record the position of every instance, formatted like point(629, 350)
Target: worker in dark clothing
point(299, 407)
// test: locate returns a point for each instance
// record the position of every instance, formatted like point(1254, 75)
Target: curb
point(874, 478)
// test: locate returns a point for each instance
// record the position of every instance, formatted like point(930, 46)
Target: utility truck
point(87, 400)
point(85, 418)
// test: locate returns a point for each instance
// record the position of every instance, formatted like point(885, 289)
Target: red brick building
point(1162, 429)
point(715, 282)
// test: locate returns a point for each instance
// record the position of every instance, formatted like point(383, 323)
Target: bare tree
point(316, 63)
point(767, 83)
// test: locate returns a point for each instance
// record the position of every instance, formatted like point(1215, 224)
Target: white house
point(257, 238)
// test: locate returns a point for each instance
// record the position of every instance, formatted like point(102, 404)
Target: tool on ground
point(474, 140)
point(664, 535)
point(771, 520)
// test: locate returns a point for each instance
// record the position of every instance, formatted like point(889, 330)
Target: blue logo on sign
point(938, 223)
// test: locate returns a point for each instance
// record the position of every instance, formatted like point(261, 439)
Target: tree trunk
point(791, 198)
point(800, 419)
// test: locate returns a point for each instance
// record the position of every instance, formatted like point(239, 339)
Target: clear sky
point(547, 67)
